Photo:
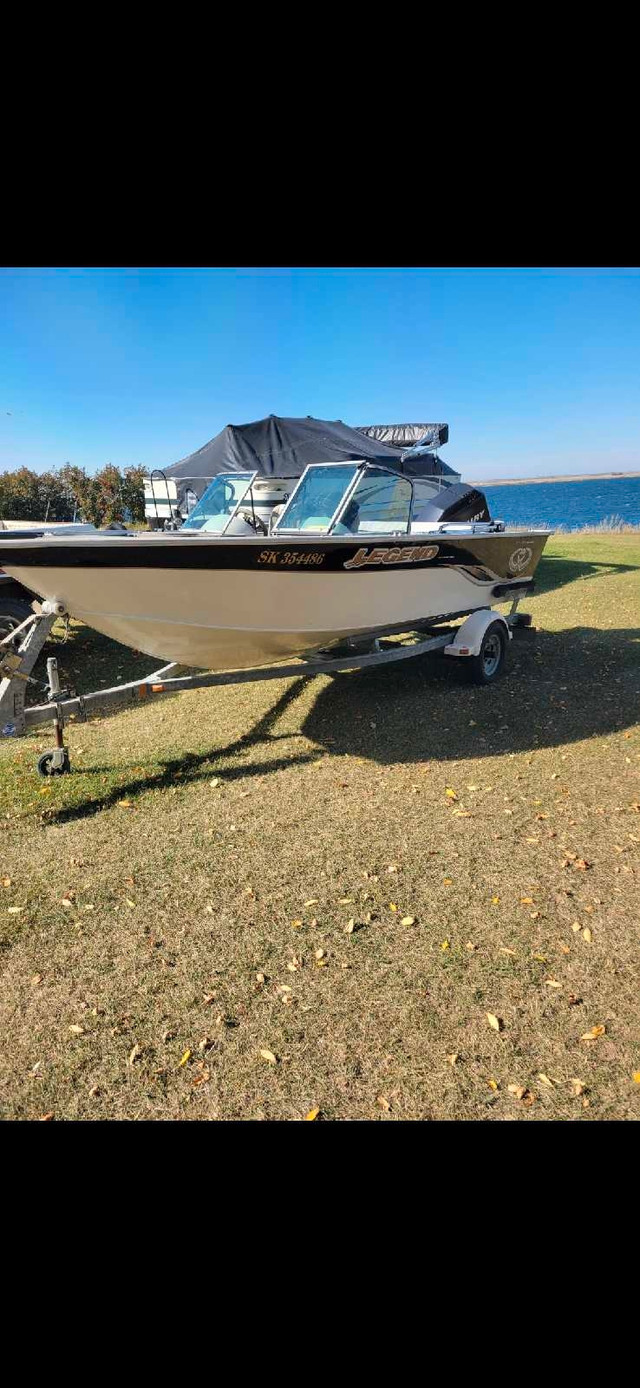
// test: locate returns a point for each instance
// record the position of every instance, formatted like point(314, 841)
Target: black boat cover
point(277, 447)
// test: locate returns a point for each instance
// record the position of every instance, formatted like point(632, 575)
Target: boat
point(383, 541)
point(15, 601)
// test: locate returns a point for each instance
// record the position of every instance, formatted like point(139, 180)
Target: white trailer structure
point(482, 641)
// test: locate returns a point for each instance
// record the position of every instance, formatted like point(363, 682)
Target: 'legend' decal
point(397, 554)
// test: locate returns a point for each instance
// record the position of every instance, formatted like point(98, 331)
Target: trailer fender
point(468, 638)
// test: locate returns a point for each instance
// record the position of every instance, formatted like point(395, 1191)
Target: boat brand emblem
point(396, 554)
point(520, 559)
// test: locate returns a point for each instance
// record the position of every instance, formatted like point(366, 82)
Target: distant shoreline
point(569, 477)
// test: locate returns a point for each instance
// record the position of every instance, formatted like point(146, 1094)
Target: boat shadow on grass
point(560, 688)
point(554, 571)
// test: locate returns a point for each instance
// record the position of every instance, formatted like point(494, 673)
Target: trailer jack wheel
point(54, 763)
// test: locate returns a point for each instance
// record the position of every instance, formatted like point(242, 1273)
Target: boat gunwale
point(279, 541)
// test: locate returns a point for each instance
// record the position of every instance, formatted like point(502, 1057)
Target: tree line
point(69, 493)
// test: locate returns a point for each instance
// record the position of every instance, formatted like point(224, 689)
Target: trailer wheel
point(12, 613)
point(485, 667)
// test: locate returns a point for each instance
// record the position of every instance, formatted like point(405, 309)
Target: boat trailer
point(482, 638)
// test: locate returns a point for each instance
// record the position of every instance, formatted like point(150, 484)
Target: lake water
point(570, 504)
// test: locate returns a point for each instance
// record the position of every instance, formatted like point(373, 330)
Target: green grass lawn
point(188, 891)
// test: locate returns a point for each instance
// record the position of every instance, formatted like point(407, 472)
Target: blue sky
point(535, 370)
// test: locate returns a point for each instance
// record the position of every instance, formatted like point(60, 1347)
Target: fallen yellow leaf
point(450, 793)
point(445, 944)
point(408, 920)
point(350, 927)
point(448, 881)
point(544, 1079)
point(495, 900)
point(268, 1055)
point(311, 1115)
point(77, 1031)
point(636, 1076)
point(383, 1102)
point(593, 1034)
point(453, 1058)
point(526, 901)
point(586, 935)
point(494, 1021)
point(493, 1084)
point(185, 1058)
point(392, 906)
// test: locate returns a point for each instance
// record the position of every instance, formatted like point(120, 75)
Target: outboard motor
point(457, 503)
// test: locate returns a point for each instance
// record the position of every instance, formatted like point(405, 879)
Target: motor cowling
point(457, 503)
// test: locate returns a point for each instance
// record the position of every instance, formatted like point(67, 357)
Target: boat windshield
point(349, 499)
point(317, 497)
point(219, 503)
point(380, 504)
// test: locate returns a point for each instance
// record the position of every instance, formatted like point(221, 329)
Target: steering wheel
point(256, 522)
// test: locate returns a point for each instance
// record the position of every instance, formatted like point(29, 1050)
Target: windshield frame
point(222, 476)
point(357, 464)
point(377, 467)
